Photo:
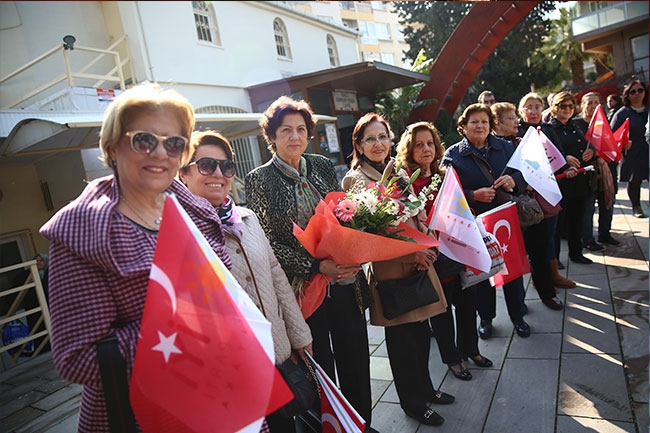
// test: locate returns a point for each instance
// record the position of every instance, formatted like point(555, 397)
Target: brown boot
point(559, 280)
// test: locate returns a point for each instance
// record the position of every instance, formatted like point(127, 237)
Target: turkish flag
point(503, 223)
point(600, 135)
point(337, 414)
point(622, 136)
point(204, 361)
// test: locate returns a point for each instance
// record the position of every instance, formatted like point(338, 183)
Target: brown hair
point(273, 116)
point(500, 108)
point(471, 109)
point(407, 145)
point(559, 99)
point(208, 137)
point(360, 128)
point(626, 92)
point(137, 100)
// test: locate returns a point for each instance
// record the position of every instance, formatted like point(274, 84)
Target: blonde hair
point(137, 100)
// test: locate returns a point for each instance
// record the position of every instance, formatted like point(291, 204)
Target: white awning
point(26, 135)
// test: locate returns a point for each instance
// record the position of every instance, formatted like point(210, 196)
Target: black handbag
point(401, 295)
point(302, 381)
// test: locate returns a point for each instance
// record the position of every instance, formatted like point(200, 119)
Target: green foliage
point(396, 105)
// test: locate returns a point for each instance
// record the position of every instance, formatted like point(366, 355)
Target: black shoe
point(482, 361)
point(594, 246)
point(553, 303)
point(429, 417)
point(522, 329)
point(581, 259)
point(485, 330)
point(609, 240)
point(560, 265)
point(440, 397)
point(638, 212)
point(463, 374)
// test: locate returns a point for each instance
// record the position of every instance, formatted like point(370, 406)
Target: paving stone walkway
point(583, 369)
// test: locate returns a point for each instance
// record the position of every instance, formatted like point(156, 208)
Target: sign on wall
point(345, 101)
point(332, 138)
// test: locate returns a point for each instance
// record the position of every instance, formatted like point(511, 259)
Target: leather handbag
point(401, 295)
point(547, 209)
point(302, 381)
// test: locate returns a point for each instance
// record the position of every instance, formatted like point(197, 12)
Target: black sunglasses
point(634, 91)
point(145, 142)
point(207, 166)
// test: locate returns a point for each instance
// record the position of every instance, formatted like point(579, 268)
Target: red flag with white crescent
point(202, 363)
point(503, 223)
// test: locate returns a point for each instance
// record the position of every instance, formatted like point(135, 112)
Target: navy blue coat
point(470, 174)
point(634, 165)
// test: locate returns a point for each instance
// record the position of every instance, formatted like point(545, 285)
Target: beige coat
point(355, 180)
point(288, 327)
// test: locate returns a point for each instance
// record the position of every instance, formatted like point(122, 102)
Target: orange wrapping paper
point(325, 238)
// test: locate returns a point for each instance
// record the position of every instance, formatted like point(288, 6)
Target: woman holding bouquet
point(479, 148)
point(284, 191)
point(209, 174)
point(420, 148)
point(407, 336)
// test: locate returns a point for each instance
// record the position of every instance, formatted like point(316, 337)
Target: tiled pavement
point(583, 369)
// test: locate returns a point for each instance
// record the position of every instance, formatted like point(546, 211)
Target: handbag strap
point(250, 269)
point(112, 369)
point(483, 166)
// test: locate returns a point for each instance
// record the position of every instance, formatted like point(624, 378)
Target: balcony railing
point(608, 16)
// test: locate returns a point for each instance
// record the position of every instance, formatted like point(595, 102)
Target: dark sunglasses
point(565, 106)
point(207, 166)
point(145, 142)
point(635, 91)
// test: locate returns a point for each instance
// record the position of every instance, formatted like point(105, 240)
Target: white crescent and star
point(329, 418)
point(167, 345)
point(497, 226)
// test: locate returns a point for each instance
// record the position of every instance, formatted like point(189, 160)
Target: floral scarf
point(230, 218)
point(307, 196)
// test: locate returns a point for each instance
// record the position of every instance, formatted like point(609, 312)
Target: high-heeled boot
point(559, 280)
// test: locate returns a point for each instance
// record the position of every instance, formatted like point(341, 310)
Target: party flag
point(204, 361)
point(531, 160)
point(600, 135)
point(555, 157)
point(503, 222)
point(453, 219)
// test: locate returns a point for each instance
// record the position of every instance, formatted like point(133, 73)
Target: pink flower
point(345, 210)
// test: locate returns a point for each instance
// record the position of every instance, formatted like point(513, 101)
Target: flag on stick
point(622, 136)
point(531, 160)
point(337, 414)
point(555, 157)
point(452, 217)
point(600, 135)
point(503, 222)
point(204, 361)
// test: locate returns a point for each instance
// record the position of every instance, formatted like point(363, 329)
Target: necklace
point(156, 221)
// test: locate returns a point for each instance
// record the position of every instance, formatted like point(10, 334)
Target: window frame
point(332, 51)
point(281, 37)
point(205, 23)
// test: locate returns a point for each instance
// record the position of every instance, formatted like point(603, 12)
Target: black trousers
point(487, 299)
point(408, 353)
point(341, 339)
point(536, 241)
point(464, 341)
point(571, 216)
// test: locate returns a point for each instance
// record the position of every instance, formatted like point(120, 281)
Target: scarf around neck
point(307, 196)
point(230, 218)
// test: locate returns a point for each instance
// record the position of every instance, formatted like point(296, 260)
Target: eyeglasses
point(635, 91)
point(383, 138)
point(512, 118)
point(533, 108)
point(207, 166)
point(565, 106)
point(145, 142)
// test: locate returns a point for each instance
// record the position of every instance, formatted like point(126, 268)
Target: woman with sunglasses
point(568, 135)
point(254, 265)
point(285, 191)
point(102, 243)
point(634, 164)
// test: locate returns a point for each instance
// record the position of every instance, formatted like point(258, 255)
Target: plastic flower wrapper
point(360, 227)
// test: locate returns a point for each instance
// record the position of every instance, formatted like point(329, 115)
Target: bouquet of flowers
point(360, 227)
point(382, 206)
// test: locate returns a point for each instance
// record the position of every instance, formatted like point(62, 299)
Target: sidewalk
point(583, 369)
